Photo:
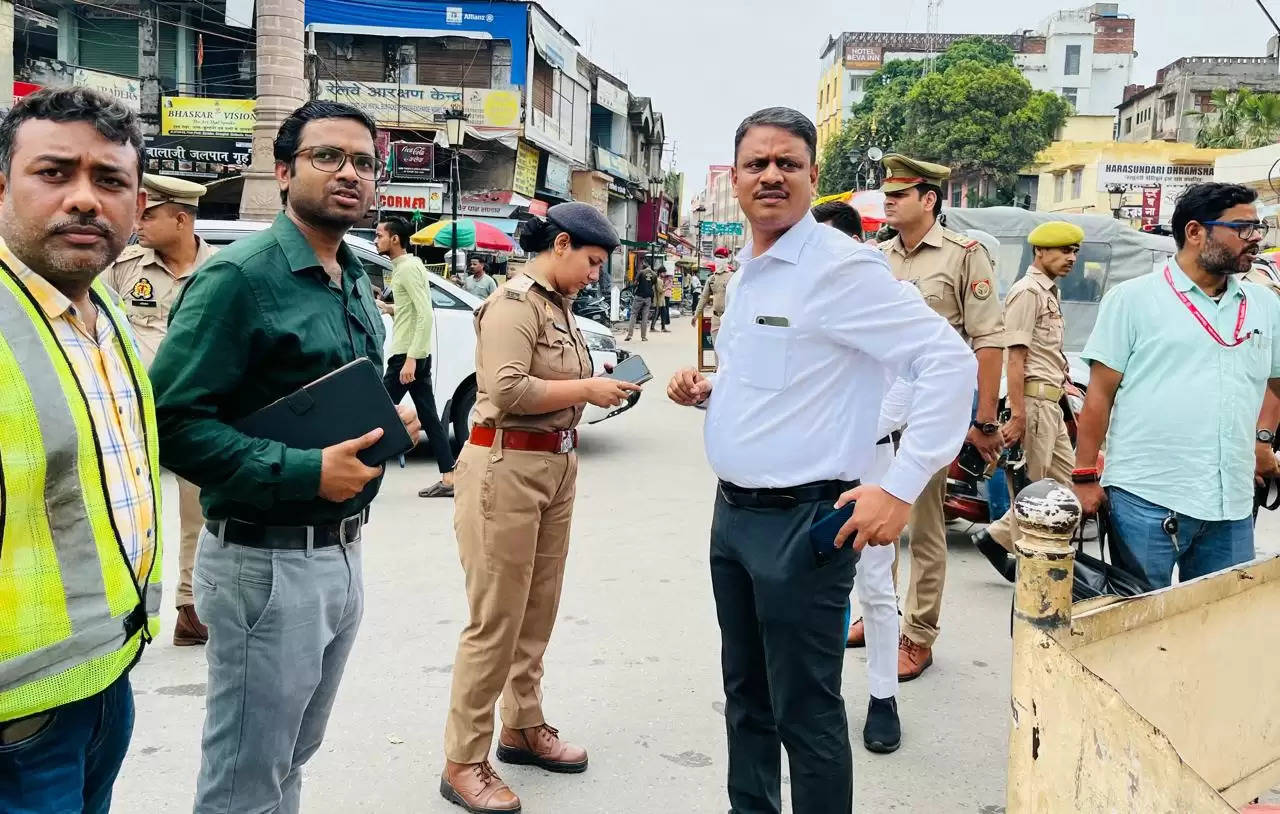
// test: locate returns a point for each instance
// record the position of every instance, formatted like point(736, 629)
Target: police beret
point(162, 189)
point(902, 173)
point(585, 224)
point(1055, 234)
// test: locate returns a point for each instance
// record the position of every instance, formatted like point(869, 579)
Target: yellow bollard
point(1047, 514)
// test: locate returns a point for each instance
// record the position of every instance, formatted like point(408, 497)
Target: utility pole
point(148, 68)
point(282, 88)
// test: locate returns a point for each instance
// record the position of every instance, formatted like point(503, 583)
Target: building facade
point(1085, 55)
point(1181, 100)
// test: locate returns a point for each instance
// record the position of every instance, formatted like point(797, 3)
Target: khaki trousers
point(190, 520)
point(512, 515)
point(1049, 455)
point(928, 545)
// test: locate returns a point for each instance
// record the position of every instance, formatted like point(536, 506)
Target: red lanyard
point(1204, 323)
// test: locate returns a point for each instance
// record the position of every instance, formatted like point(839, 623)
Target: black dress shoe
point(1000, 559)
point(882, 732)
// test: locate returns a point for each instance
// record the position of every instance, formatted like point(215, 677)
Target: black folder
point(336, 407)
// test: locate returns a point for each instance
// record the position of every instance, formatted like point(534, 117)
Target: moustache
point(83, 226)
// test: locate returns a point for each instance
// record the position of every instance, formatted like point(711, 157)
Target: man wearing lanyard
point(815, 329)
point(1198, 353)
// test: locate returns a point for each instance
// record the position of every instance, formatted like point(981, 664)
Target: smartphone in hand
point(822, 534)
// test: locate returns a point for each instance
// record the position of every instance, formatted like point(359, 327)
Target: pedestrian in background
point(478, 281)
point(147, 277)
point(412, 323)
point(662, 301)
point(1184, 383)
point(1037, 377)
point(80, 575)
point(642, 298)
point(517, 477)
point(877, 628)
point(715, 295)
point(955, 277)
point(278, 575)
point(816, 327)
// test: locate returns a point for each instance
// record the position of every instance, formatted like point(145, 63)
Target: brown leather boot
point(189, 630)
point(857, 634)
point(541, 746)
point(477, 788)
point(913, 658)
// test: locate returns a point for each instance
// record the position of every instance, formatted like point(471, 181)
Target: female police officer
point(515, 489)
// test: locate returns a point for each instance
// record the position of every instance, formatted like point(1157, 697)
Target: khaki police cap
point(1055, 234)
point(162, 189)
point(902, 173)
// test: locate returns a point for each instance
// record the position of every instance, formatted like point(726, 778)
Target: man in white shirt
point(815, 329)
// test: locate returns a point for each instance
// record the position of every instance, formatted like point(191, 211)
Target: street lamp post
point(1115, 196)
point(699, 213)
point(455, 121)
point(656, 186)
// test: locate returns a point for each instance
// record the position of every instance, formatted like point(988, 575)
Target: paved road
point(632, 671)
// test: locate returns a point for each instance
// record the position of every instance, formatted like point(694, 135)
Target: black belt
point(784, 498)
point(288, 538)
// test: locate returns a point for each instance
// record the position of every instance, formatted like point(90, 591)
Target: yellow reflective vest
point(73, 616)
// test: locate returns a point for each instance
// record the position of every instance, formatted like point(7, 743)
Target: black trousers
point(662, 312)
point(424, 401)
point(782, 653)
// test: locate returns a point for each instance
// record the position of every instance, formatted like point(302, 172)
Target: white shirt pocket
point(765, 352)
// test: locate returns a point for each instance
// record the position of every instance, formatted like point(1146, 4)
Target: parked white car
point(453, 343)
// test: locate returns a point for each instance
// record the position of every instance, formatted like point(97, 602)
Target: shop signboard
point(198, 158)
point(495, 203)
point(711, 227)
point(612, 98)
point(526, 177)
point(395, 105)
point(413, 161)
point(1150, 206)
point(862, 57)
point(557, 177)
point(122, 88)
point(1171, 179)
point(412, 197)
point(190, 116)
point(612, 163)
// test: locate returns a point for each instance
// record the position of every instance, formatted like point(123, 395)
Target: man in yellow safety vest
point(79, 466)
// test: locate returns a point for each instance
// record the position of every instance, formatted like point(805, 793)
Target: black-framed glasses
point(1246, 229)
point(331, 159)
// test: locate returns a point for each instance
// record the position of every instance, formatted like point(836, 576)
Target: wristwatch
point(987, 427)
point(1265, 436)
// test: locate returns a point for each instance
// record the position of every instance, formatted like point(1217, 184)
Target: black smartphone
point(970, 460)
point(632, 369)
point(822, 534)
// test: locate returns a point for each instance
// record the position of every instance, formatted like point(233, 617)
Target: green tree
point(1241, 119)
point(974, 49)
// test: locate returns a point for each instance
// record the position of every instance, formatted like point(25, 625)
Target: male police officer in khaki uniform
point(954, 275)
point(1037, 376)
point(148, 276)
point(716, 294)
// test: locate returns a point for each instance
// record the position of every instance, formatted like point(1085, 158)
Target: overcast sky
point(708, 63)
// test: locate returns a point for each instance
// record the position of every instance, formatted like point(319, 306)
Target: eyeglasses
point(1246, 229)
point(331, 159)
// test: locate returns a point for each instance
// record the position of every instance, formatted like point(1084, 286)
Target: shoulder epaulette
point(518, 288)
point(132, 251)
point(967, 243)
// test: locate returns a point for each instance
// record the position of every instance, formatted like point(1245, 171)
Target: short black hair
point(937, 191)
point(784, 118)
point(290, 133)
point(539, 235)
point(1204, 202)
point(840, 215)
point(117, 123)
point(399, 228)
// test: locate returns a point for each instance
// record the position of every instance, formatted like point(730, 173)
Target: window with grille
point(1059, 187)
point(1072, 68)
point(544, 77)
point(1077, 184)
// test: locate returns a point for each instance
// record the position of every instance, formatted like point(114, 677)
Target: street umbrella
point(471, 234)
point(870, 205)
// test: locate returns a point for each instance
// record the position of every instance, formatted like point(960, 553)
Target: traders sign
point(122, 88)
point(190, 116)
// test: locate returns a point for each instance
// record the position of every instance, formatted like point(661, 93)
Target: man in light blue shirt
point(1180, 362)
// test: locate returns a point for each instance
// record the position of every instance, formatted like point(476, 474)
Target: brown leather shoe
point(913, 658)
point(189, 630)
point(857, 634)
point(541, 746)
point(477, 788)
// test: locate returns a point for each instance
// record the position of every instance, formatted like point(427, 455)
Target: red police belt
point(904, 180)
point(1204, 323)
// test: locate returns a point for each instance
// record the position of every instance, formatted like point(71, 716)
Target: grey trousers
point(281, 625)
point(640, 310)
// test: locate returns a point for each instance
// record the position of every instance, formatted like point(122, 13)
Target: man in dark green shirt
point(278, 575)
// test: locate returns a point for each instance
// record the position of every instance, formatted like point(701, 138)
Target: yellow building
point(830, 103)
point(1077, 176)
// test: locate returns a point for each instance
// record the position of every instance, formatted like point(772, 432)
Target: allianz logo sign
point(454, 15)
